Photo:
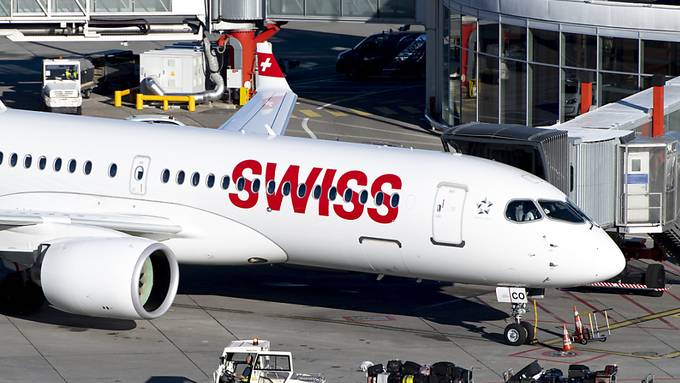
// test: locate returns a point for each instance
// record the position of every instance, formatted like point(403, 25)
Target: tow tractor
point(251, 361)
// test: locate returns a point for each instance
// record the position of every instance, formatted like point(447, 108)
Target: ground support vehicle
point(251, 361)
point(65, 83)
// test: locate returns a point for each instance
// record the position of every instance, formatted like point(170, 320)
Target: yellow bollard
point(118, 97)
point(243, 96)
point(166, 105)
point(140, 101)
point(192, 104)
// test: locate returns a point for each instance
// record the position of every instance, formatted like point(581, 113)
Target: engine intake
point(122, 277)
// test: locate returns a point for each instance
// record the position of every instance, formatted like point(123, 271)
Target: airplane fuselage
point(286, 200)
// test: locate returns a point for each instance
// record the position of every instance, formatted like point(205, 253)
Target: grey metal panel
point(241, 10)
point(595, 179)
point(587, 12)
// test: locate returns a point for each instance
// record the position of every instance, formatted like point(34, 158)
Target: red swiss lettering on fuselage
point(300, 188)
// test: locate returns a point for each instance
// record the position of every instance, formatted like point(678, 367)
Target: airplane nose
point(610, 261)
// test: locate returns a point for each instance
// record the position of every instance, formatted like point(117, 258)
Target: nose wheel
point(519, 332)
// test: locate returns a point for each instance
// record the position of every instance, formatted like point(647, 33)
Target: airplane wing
point(268, 112)
point(136, 224)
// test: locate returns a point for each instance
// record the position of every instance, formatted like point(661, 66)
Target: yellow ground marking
point(310, 113)
point(361, 112)
point(336, 113)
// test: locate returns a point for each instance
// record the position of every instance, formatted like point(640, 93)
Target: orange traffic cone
point(577, 324)
point(566, 341)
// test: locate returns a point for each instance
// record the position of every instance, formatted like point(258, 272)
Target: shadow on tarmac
point(169, 379)
point(343, 291)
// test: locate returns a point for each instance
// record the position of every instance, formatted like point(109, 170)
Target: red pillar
point(249, 41)
point(586, 96)
point(657, 106)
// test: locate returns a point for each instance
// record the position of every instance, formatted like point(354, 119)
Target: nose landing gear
point(518, 332)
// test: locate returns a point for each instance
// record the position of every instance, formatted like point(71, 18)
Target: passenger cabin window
point(286, 188)
point(57, 165)
point(255, 186)
point(271, 187)
point(13, 160)
point(28, 160)
point(72, 166)
point(561, 211)
point(1, 157)
point(42, 163)
point(195, 179)
point(165, 176)
point(522, 211)
point(113, 170)
point(332, 193)
point(87, 168)
point(317, 192)
point(302, 190)
point(347, 195)
point(180, 177)
point(379, 198)
point(225, 182)
point(363, 197)
point(394, 201)
point(240, 184)
point(210, 180)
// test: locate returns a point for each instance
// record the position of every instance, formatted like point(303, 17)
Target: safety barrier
point(190, 100)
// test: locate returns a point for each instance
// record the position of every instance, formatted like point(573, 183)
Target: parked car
point(374, 53)
point(411, 60)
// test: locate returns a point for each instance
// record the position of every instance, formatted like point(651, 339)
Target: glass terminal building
point(529, 61)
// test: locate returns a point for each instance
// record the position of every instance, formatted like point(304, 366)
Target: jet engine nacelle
point(123, 277)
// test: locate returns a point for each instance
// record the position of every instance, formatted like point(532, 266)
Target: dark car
point(374, 53)
point(411, 60)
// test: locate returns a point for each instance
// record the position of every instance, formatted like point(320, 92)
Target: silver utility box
point(175, 70)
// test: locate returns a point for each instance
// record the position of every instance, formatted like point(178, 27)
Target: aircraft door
point(447, 216)
point(139, 174)
point(637, 187)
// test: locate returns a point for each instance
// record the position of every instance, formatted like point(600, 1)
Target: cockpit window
point(522, 211)
point(561, 211)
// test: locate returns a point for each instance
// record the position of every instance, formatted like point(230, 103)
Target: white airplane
point(98, 212)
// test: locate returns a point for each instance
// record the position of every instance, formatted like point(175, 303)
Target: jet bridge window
point(522, 211)
point(28, 160)
point(165, 176)
point(561, 211)
point(13, 160)
point(210, 181)
point(57, 165)
point(42, 163)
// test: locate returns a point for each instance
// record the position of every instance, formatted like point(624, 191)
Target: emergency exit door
point(447, 216)
point(637, 187)
point(139, 174)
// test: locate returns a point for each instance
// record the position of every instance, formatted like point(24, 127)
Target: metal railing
point(16, 10)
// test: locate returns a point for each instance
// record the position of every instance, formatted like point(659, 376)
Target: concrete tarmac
point(331, 321)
